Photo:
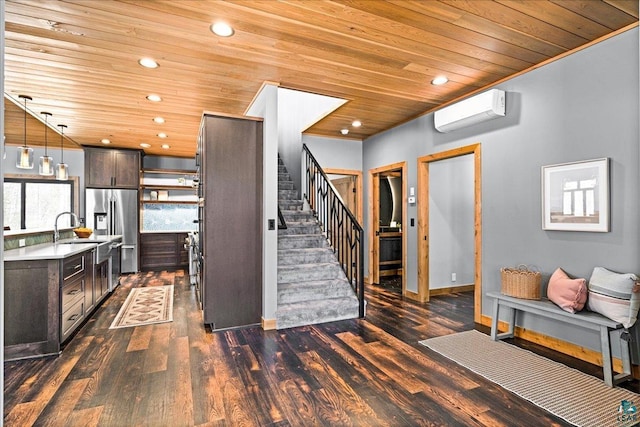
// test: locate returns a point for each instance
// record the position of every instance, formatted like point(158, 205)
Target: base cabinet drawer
point(72, 292)
point(73, 267)
point(71, 319)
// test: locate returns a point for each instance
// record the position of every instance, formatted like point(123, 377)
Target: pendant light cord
point(62, 142)
point(25, 97)
point(46, 125)
point(25, 122)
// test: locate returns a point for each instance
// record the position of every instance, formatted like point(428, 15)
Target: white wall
point(266, 106)
point(296, 112)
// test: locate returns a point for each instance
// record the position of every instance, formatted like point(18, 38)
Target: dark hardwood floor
point(369, 372)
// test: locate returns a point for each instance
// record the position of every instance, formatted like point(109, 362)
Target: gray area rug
point(145, 306)
point(574, 396)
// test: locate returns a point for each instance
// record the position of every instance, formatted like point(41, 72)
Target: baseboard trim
point(451, 290)
point(412, 296)
point(560, 346)
point(268, 324)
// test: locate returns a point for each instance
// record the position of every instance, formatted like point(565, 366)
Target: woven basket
point(521, 282)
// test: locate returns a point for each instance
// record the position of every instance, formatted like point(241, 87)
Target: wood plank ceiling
point(78, 58)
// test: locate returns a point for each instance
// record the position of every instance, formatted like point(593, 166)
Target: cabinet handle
point(74, 292)
point(74, 317)
point(77, 266)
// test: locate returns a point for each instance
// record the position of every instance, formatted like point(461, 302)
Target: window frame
point(29, 178)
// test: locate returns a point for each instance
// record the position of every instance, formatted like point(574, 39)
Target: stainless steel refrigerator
point(113, 211)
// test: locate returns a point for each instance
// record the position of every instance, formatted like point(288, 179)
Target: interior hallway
point(357, 372)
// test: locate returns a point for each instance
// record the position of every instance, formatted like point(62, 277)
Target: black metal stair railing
point(282, 224)
point(339, 225)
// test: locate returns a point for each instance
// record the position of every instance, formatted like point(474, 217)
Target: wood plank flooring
point(369, 372)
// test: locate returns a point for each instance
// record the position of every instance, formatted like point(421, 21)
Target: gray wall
point(581, 107)
point(335, 153)
point(451, 222)
point(163, 162)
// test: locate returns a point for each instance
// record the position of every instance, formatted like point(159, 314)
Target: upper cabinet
point(109, 168)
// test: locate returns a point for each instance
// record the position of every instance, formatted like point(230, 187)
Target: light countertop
point(63, 249)
point(166, 231)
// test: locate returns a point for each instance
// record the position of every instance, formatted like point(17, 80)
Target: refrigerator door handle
point(112, 217)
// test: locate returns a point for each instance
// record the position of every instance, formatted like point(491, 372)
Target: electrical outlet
point(22, 243)
point(453, 277)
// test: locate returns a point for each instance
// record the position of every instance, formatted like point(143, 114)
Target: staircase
point(312, 288)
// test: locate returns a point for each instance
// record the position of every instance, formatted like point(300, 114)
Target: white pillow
point(614, 295)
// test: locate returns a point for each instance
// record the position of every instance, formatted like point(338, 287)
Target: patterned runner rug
point(145, 306)
point(574, 396)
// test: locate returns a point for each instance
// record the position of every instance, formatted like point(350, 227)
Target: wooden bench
point(585, 319)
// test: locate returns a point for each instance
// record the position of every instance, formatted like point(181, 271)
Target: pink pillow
point(569, 294)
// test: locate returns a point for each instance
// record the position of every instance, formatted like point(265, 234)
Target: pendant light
point(62, 169)
point(46, 162)
point(24, 160)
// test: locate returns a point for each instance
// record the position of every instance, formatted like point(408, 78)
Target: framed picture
point(575, 196)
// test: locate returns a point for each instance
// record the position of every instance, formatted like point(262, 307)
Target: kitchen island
point(50, 290)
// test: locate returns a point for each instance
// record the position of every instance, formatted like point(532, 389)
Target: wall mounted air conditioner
point(479, 108)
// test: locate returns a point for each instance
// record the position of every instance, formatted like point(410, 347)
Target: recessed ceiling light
point(158, 120)
point(166, 146)
point(344, 131)
point(105, 141)
point(148, 62)
point(145, 145)
point(222, 29)
point(356, 123)
point(440, 80)
point(154, 98)
point(162, 135)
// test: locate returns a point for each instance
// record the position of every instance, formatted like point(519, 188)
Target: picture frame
point(575, 196)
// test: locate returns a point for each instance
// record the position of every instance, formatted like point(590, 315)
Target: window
point(35, 203)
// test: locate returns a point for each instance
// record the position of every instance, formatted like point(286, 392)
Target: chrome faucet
point(56, 234)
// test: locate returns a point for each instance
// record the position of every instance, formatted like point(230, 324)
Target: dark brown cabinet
point(109, 168)
point(163, 251)
point(230, 220)
point(48, 302)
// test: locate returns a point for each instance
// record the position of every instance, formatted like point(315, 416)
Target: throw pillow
point(614, 295)
point(569, 294)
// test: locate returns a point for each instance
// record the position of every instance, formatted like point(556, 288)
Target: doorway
point(424, 232)
point(388, 216)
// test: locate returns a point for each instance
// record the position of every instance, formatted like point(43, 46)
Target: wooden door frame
point(358, 175)
point(374, 214)
point(423, 222)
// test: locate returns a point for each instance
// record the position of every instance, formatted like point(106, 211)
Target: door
point(98, 166)
point(346, 188)
point(97, 210)
point(125, 222)
point(127, 169)
point(380, 222)
point(424, 227)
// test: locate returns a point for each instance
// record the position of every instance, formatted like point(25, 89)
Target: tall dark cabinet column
point(230, 216)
